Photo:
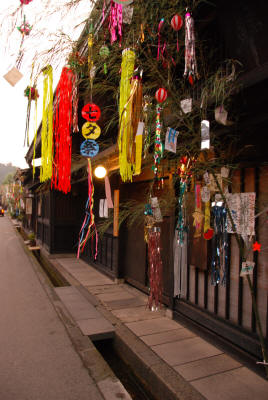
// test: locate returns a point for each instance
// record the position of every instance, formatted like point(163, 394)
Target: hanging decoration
point(115, 22)
point(139, 141)
point(161, 95)
point(186, 105)
point(63, 119)
point(247, 268)
point(89, 221)
point(47, 126)
point(176, 24)
point(190, 70)
point(159, 47)
point(147, 112)
point(32, 95)
point(25, 2)
point(220, 247)
point(171, 140)
point(123, 2)
point(155, 269)
point(104, 53)
point(242, 208)
point(198, 215)
point(75, 95)
point(128, 89)
point(158, 146)
point(205, 135)
point(256, 246)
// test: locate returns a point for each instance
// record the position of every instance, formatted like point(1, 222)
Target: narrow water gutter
point(123, 371)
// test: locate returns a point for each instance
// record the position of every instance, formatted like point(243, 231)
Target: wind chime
point(89, 148)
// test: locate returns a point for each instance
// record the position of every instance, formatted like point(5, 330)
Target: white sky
point(48, 18)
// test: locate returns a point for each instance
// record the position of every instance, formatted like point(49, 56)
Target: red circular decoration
point(161, 95)
point(91, 112)
point(25, 1)
point(176, 22)
point(208, 234)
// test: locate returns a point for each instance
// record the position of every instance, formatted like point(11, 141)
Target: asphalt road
point(37, 360)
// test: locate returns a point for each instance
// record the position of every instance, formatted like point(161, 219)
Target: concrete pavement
point(37, 358)
point(174, 361)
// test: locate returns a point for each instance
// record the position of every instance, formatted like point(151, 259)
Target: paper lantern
point(161, 95)
point(100, 172)
point(176, 22)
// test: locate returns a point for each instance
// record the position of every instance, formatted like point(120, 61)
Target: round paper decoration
point(208, 234)
point(91, 112)
point(90, 130)
point(89, 148)
point(176, 22)
point(104, 51)
point(123, 2)
point(161, 95)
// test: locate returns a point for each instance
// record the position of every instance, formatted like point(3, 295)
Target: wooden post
point(116, 213)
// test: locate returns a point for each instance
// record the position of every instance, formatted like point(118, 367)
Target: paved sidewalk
point(214, 374)
point(37, 358)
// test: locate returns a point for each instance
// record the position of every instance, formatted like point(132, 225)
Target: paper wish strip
point(171, 140)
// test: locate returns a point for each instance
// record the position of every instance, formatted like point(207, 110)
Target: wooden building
point(240, 29)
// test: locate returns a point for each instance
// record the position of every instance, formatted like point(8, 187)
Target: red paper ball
point(176, 22)
point(208, 234)
point(161, 95)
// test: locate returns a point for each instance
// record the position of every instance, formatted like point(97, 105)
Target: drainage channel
point(122, 371)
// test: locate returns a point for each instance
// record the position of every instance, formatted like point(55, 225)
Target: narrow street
point(37, 360)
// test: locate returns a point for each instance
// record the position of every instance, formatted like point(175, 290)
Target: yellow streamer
point(207, 216)
point(139, 140)
point(127, 69)
point(35, 136)
point(47, 126)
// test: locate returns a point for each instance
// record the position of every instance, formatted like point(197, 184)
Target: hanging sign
point(247, 268)
point(91, 112)
point(90, 130)
point(171, 140)
point(186, 105)
point(205, 137)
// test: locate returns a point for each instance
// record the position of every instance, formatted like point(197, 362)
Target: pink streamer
point(115, 21)
point(108, 192)
point(161, 23)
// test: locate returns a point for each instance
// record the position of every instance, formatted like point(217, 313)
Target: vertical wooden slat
point(216, 294)
point(240, 279)
point(227, 296)
point(206, 289)
point(256, 253)
point(116, 213)
point(196, 285)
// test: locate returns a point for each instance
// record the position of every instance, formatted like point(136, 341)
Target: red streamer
point(62, 125)
point(155, 269)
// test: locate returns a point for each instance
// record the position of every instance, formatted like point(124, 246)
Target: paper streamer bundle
point(89, 221)
point(47, 126)
point(155, 269)
point(125, 111)
point(190, 70)
point(61, 178)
